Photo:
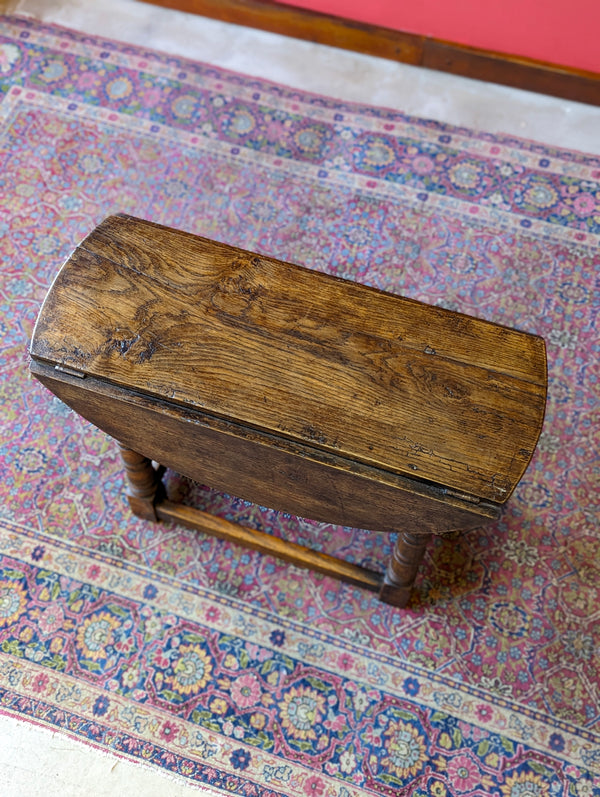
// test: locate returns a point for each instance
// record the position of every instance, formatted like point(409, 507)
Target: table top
point(373, 377)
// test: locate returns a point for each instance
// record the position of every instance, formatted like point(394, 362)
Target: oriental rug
point(235, 670)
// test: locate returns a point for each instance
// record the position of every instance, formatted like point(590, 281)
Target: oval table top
point(373, 377)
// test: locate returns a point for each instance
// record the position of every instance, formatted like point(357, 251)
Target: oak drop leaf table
point(292, 389)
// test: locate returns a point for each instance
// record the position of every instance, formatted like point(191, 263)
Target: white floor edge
point(36, 761)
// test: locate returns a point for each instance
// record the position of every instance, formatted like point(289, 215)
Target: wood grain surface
point(359, 373)
point(267, 470)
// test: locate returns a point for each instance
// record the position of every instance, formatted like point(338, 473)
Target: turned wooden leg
point(143, 482)
point(403, 567)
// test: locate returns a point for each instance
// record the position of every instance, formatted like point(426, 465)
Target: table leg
point(402, 568)
point(144, 484)
point(146, 491)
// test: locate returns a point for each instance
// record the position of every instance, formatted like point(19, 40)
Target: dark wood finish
point(290, 388)
point(520, 73)
point(509, 70)
point(144, 484)
point(262, 468)
point(265, 470)
point(313, 26)
point(403, 567)
point(299, 354)
point(268, 544)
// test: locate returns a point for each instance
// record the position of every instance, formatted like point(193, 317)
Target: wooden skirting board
point(408, 48)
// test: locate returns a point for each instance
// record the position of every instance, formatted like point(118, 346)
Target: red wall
point(563, 32)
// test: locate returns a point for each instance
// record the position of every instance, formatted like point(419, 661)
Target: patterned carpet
point(234, 669)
